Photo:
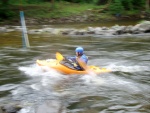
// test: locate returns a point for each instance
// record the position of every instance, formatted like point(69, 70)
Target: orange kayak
point(67, 68)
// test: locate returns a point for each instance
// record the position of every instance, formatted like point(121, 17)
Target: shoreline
point(70, 20)
point(139, 29)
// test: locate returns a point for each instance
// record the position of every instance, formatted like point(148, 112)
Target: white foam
point(35, 70)
point(136, 68)
point(7, 87)
point(27, 110)
point(92, 79)
point(120, 83)
point(35, 87)
point(32, 70)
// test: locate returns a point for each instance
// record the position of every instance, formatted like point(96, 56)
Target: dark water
point(124, 90)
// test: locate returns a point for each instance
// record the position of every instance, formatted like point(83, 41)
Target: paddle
point(59, 56)
point(83, 65)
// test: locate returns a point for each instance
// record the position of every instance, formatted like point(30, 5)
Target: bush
point(6, 13)
point(80, 1)
point(128, 4)
point(101, 2)
point(116, 7)
point(34, 1)
point(138, 4)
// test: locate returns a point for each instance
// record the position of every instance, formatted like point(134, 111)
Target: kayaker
point(79, 54)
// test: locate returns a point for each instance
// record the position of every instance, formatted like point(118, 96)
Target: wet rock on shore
point(141, 28)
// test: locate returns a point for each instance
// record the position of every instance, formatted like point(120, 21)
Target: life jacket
point(72, 62)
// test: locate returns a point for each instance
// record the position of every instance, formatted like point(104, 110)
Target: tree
point(5, 2)
point(5, 10)
point(138, 4)
point(147, 4)
point(101, 2)
point(128, 4)
point(53, 4)
point(116, 7)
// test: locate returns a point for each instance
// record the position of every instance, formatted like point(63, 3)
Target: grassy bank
point(59, 9)
point(65, 9)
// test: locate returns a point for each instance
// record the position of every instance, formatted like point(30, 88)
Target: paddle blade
point(85, 67)
point(59, 56)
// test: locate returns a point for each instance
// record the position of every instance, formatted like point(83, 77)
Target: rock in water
point(10, 108)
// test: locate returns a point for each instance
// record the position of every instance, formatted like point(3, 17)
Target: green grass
point(60, 9)
point(133, 12)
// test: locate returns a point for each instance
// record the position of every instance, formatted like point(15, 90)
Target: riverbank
point(78, 18)
point(65, 12)
point(73, 20)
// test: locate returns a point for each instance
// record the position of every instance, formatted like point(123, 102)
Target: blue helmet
point(79, 50)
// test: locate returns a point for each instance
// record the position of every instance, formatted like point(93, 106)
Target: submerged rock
point(10, 108)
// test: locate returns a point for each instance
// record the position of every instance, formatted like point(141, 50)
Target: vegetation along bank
point(66, 11)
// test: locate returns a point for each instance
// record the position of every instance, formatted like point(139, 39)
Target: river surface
point(124, 90)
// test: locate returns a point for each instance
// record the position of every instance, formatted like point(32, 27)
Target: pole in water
point(25, 39)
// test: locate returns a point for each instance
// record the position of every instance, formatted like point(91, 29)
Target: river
point(124, 90)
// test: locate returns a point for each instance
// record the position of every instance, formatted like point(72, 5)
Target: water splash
point(35, 70)
point(47, 75)
point(92, 80)
point(27, 110)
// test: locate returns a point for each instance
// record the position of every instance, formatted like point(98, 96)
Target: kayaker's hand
point(75, 65)
point(65, 58)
